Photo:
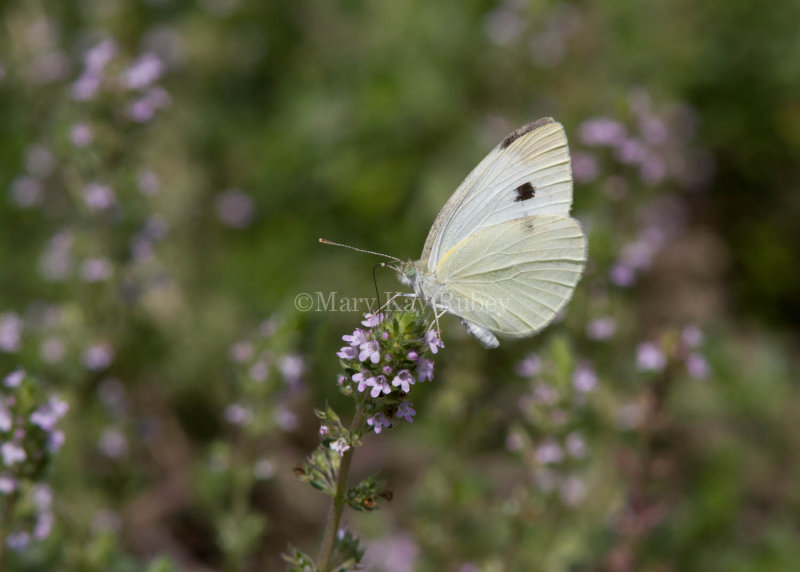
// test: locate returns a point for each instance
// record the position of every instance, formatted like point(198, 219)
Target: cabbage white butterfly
point(503, 254)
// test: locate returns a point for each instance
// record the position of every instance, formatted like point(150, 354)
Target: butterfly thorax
point(416, 275)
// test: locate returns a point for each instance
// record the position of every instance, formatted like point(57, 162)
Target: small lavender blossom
point(98, 197)
point(323, 430)
point(549, 452)
point(347, 353)
point(235, 209)
point(697, 366)
point(379, 385)
point(48, 414)
point(238, 414)
point(378, 422)
point(623, 275)
point(26, 192)
point(44, 525)
point(530, 366)
point(10, 332)
point(372, 320)
point(584, 378)
point(575, 445)
point(263, 469)
point(433, 341)
point(55, 440)
point(259, 371)
point(412, 355)
point(12, 454)
point(8, 484)
point(98, 356)
point(285, 419)
point(14, 378)
point(370, 351)
point(148, 183)
point(602, 328)
point(81, 135)
point(404, 380)
point(52, 350)
point(364, 379)
point(649, 357)
point(601, 131)
point(692, 336)
point(406, 411)
point(240, 352)
point(6, 418)
point(18, 540)
point(96, 269)
point(572, 491)
point(40, 161)
point(113, 443)
point(357, 338)
point(424, 370)
point(340, 445)
point(143, 72)
point(584, 167)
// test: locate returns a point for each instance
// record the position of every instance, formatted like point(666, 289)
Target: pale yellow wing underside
point(497, 191)
point(513, 277)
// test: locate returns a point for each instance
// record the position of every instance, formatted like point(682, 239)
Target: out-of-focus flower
point(649, 357)
point(584, 167)
point(238, 414)
point(98, 356)
point(602, 328)
point(692, 336)
point(235, 209)
point(584, 378)
point(81, 135)
point(143, 72)
point(572, 490)
point(576, 446)
point(39, 161)
point(96, 269)
point(98, 197)
point(10, 332)
point(549, 452)
point(26, 192)
point(697, 366)
point(113, 443)
point(601, 131)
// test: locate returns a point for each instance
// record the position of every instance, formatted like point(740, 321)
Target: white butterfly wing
point(513, 278)
point(527, 174)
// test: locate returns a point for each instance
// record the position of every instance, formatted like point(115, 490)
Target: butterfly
point(503, 254)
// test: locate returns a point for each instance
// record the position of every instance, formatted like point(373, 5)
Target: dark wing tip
point(525, 129)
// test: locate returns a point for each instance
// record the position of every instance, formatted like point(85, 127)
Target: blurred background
point(166, 168)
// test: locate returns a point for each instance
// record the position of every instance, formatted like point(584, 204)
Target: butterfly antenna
point(375, 281)
point(326, 241)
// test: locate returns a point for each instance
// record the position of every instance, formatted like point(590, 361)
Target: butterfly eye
point(411, 271)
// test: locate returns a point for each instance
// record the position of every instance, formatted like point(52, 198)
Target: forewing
point(514, 277)
point(527, 174)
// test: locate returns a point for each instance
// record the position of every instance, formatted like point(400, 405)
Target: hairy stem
point(335, 513)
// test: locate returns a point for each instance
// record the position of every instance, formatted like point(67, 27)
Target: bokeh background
point(166, 168)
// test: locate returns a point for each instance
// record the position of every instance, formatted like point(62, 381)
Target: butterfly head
point(407, 273)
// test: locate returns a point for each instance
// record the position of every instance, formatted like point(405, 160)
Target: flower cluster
point(28, 439)
point(550, 440)
point(673, 348)
point(383, 360)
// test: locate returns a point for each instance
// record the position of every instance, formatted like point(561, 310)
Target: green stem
point(335, 513)
point(5, 522)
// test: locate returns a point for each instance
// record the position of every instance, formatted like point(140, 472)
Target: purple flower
point(18, 541)
point(372, 320)
point(98, 356)
point(6, 419)
point(601, 328)
point(14, 378)
point(364, 379)
point(10, 332)
point(404, 380)
point(697, 366)
point(530, 366)
point(692, 336)
point(649, 357)
point(406, 411)
point(48, 414)
point(26, 192)
point(370, 351)
point(412, 355)
point(347, 352)
point(81, 135)
point(340, 445)
point(631, 151)
point(433, 341)
point(238, 414)
point(379, 385)
point(549, 452)
point(378, 422)
point(622, 275)
point(572, 491)
point(357, 338)
point(96, 269)
point(601, 131)
point(584, 167)
point(424, 370)
point(55, 441)
point(113, 443)
point(584, 378)
point(235, 209)
point(576, 446)
point(292, 368)
point(142, 72)
point(98, 197)
point(12, 454)
point(8, 484)
point(323, 430)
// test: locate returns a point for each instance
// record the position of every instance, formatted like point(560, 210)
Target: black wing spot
point(524, 192)
point(525, 129)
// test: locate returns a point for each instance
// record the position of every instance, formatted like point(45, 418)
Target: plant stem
point(335, 513)
point(5, 522)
